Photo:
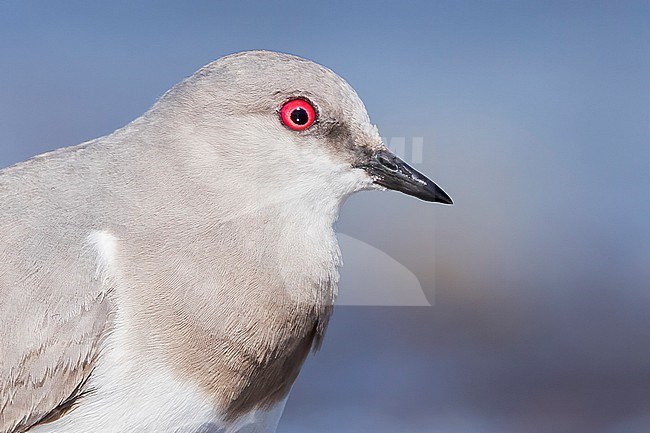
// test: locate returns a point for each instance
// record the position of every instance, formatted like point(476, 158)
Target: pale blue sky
point(535, 118)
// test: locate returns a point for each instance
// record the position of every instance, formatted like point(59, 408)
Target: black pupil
point(299, 116)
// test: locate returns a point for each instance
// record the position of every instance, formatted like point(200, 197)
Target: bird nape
point(174, 275)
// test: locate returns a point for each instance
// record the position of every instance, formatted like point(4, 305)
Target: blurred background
point(533, 115)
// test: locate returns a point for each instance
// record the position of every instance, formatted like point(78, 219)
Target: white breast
point(132, 393)
point(140, 399)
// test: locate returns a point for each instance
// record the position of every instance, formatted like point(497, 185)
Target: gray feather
point(225, 263)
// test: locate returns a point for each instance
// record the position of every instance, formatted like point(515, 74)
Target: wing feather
point(54, 308)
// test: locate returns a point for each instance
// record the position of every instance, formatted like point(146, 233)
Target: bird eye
point(298, 114)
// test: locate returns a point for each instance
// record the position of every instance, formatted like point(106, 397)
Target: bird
point(173, 275)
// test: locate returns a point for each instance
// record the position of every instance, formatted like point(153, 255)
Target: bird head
point(286, 127)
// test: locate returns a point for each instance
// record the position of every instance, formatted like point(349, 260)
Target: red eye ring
point(298, 114)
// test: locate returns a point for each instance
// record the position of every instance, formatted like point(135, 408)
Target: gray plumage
point(196, 242)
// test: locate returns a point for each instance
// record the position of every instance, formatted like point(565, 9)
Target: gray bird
point(173, 275)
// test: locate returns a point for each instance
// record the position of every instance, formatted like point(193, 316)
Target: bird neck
point(230, 271)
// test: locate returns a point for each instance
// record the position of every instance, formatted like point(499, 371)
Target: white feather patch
point(103, 245)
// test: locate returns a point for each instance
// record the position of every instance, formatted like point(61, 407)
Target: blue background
point(536, 119)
